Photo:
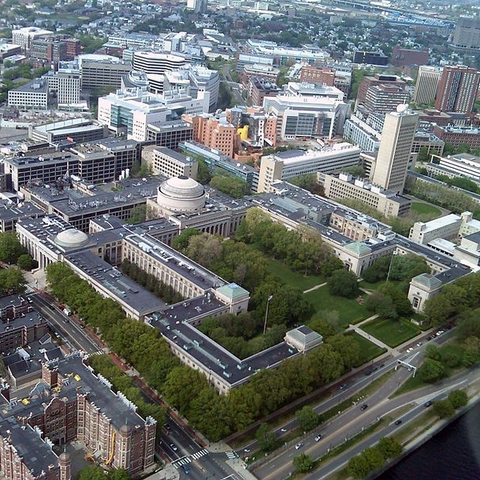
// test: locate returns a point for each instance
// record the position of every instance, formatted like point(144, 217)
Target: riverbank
point(437, 427)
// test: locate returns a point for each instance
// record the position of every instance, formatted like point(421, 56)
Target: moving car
point(298, 446)
point(318, 437)
point(398, 422)
point(173, 447)
point(364, 406)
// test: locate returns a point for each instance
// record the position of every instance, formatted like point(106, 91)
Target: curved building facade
point(156, 63)
point(181, 194)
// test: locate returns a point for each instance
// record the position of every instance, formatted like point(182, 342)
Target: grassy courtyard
point(391, 332)
point(368, 350)
point(423, 208)
point(294, 279)
point(349, 311)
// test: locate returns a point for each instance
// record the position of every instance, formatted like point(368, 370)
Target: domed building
point(180, 195)
point(71, 238)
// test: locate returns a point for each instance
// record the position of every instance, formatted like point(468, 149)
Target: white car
point(298, 446)
point(409, 350)
point(318, 437)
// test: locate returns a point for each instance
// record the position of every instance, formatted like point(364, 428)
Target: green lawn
point(368, 350)
point(391, 332)
point(294, 279)
point(425, 208)
point(349, 311)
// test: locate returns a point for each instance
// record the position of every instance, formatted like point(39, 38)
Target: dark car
point(398, 422)
point(364, 406)
point(427, 404)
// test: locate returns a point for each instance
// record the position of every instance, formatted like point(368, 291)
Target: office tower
point(457, 89)
point(427, 84)
point(467, 34)
point(395, 149)
point(198, 6)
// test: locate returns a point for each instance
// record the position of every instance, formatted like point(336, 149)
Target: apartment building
point(74, 404)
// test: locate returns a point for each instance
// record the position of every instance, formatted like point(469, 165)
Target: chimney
point(49, 375)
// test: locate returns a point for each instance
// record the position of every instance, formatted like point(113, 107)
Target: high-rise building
point(395, 149)
point(467, 34)
point(457, 89)
point(198, 6)
point(427, 84)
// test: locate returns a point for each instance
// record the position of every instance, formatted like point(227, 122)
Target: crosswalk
point(231, 455)
point(185, 460)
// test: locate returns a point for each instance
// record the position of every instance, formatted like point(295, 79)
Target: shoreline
point(423, 438)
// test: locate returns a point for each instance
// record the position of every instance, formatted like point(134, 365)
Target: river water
point(452, 454)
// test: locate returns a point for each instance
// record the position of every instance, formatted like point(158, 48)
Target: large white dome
point(71, 238)
point(181, 194)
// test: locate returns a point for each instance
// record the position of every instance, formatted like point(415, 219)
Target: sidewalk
point(236, 464)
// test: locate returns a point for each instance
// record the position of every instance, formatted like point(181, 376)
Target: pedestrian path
point(185, 460)
point(316, 287)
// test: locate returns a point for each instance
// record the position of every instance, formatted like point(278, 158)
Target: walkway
point(316, 287)
point(356, 328)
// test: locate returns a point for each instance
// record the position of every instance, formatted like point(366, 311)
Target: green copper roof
point(359, 248)
point(232, 291)
point(429, 281)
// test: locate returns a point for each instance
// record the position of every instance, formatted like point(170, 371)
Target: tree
point(203, 173)
point(26, 262)
point(11, 280)
point(91, 472)
point(118, 474)
point(233, 186)
point(348, 348)
point(389, 447)
point(302, 463)
point(430, 371)
point(205, 249)
point(443, 408)
point(265, 437)
point(307, 418)
point(438, 309)
point(458, 398)
point(358, 467)
point(137, 214)
point(180, 242)
point(432, 351)
point(10, 247)
point(343, 283)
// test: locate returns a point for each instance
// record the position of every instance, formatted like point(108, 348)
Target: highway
point(355, 419)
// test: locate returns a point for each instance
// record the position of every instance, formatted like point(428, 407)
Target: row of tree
point(188, 390)
point(150, 282)
point(374, 458)
point(14, 253)
point(442, 196)
point(302, 250)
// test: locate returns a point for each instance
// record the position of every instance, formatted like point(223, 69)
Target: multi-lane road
point(177, 443)
point(347, 424)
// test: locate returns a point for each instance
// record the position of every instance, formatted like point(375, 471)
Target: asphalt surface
point(177, 444)
point(355, 419)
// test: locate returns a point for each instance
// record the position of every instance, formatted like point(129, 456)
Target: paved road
point(354, 419)
point(200, 462)
point(68, 329)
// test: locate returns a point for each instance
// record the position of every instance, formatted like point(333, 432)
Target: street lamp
point(390, 264)
point(266, 314)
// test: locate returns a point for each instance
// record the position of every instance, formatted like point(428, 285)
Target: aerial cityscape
point(239, 239)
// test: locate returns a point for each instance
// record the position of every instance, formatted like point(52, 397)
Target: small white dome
point(71, 238)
